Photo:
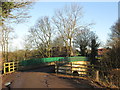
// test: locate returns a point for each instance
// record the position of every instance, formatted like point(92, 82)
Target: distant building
point(102, 51)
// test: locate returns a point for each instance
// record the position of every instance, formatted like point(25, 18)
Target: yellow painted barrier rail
point(0, 66)
point(0, 71)
point(9, 67)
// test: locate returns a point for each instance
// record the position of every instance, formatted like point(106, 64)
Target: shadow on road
point(46, 69)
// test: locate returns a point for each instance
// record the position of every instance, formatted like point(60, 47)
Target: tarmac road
point(40, 79)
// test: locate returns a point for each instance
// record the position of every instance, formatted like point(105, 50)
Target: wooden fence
point(97, 73)
point(73, 68)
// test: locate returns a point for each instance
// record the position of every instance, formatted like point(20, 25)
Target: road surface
point(40, 79)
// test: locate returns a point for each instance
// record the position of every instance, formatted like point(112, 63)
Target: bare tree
point(27, 47)
point(86, 39)
point(5, 38)
point(11, 12)
point(112, 57)
point(58, 42)
point(67, 22)
point(41, 36)
point(82, 40)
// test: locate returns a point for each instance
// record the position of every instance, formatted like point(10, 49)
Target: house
point(102, 51)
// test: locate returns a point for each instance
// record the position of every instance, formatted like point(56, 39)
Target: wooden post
point(97, 75)
point(4, 68)
point(56, 67)
point(13, 66)
point(9, 67)
point(71, 67)
point(16, 65)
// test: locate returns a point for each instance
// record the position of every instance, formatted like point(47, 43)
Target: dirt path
point(41, 80)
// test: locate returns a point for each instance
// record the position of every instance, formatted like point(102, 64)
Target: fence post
point(17, 66)
point(71, 67)
point(9, 67)
point(97, 75)
point(4, 67)
point(13, 66)
point(56, 65)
